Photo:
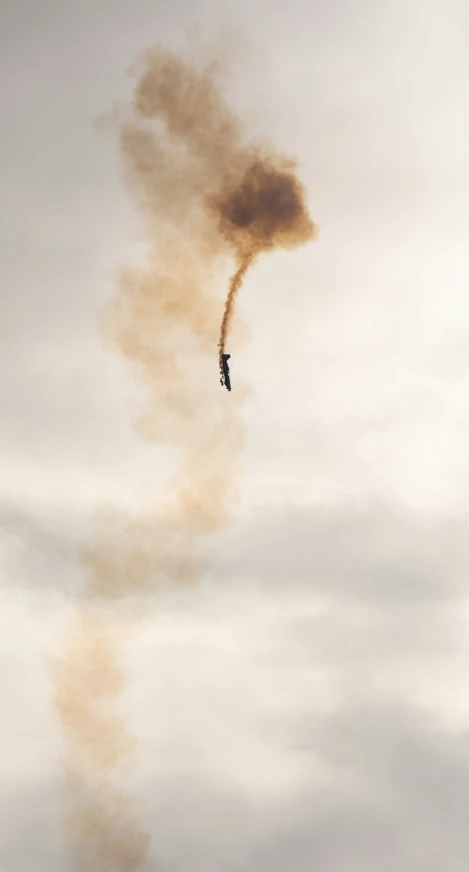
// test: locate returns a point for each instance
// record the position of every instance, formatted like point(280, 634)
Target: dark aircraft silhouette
point(225, 379)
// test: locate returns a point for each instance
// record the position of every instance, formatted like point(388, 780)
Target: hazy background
point(306, 707)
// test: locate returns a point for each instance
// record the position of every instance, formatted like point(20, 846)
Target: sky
point(305, 705)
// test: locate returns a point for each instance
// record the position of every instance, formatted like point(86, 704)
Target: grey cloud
point(39, 550)
point(377, 780)
point(373, 557)
point(376, 554)
point(404, 807)
point(412, 789)
point(31, 812)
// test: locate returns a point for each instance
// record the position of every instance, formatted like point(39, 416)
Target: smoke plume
point(264, 210)
point(207, 194)
point(249, 195)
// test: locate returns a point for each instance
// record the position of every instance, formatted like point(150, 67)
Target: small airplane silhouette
point(225, 378)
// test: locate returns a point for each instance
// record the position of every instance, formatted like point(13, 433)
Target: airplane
point(225, 379)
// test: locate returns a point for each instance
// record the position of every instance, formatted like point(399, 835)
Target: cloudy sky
point(306, 705)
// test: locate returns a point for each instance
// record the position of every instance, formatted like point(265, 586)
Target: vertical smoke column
point(206, 194)
point(102, 828)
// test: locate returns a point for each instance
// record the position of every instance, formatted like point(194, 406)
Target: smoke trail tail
point(102, 828)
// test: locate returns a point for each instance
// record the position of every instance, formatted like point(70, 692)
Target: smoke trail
point(206, 193)
point(235, 283)
point(102, 828)
point(266, 209)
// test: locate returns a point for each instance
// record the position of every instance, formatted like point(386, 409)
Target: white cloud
point(305, 706)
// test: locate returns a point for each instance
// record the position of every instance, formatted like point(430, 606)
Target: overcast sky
point(306, 706)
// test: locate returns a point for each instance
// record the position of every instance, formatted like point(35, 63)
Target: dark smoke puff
point(265, 210)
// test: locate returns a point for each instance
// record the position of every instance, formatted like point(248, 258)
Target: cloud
point(393, 794)
point(39, 549)
point(377, 554)
point(293, 713)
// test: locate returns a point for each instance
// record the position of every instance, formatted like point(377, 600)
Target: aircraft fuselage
point(225, 379)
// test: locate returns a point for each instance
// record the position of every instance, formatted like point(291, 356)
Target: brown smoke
point(247, 195)
point(206, 194)
point(102, 828)
point(265, 210)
